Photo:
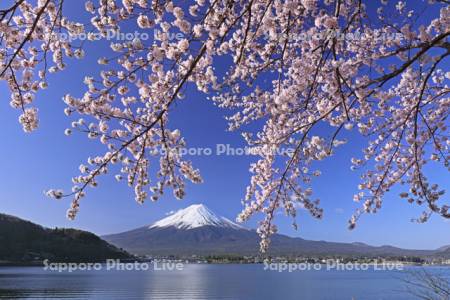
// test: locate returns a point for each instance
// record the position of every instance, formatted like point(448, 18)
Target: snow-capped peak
point(194, 216)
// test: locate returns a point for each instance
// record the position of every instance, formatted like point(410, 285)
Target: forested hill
point(24, 241)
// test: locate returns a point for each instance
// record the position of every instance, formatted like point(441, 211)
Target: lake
point(205, 281)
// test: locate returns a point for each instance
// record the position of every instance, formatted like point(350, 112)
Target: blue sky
point(32, 163)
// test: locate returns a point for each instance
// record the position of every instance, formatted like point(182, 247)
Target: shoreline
point(42, 263)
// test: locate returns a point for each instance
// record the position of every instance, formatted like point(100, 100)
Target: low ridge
point(22, 241)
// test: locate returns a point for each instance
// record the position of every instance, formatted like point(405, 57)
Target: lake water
point(203, 281)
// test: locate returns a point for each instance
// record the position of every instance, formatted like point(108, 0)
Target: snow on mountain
point(197, 215)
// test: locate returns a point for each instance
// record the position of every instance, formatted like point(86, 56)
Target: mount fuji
point(192, 230)
point(195, 216)
point(196, 230)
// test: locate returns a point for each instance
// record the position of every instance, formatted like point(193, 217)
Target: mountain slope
point(444, 248)
point(443, 252)
point(198, 231)
point(22, 240)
